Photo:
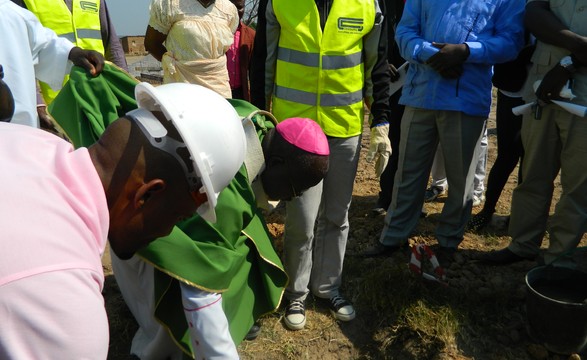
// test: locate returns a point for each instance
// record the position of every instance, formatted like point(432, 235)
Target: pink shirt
point(53, 211)
point(233, 62)
point(53, 227)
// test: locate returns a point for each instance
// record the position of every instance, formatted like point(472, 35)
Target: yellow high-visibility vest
point(320, 74)
point(81, 26)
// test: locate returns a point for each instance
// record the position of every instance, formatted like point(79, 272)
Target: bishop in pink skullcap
point(305, 134)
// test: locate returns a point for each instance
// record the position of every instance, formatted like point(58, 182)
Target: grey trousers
point(314, 259)
point(439, 175)
point(422, 130)
point(555, 142)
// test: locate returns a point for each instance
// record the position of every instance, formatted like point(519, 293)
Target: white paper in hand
point(396, 85)
point(574, 109)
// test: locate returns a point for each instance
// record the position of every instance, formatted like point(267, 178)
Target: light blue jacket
point(494, 32)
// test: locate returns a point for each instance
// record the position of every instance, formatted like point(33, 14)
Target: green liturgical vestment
point(234, 256)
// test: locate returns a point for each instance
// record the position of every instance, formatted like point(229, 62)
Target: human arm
point(112, 46)
point(154, 43)
point(159, 25)
point(208, 325)
point(272, 32)
point(50, 55)
point(493, 34)
point(378, 78)
point(505, 41)
point(381, 75)
point(44, 118)
point(547, 28)
point(257, 64)
point(412, 45)
point(234, 20)
point(449, 59)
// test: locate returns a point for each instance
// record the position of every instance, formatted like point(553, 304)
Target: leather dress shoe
point(502, 257)
point(254, 331)
point(379, 250)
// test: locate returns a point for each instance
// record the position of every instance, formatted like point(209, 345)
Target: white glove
point(379, 147)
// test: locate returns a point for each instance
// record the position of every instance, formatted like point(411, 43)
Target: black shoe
point(254, 331)
point(379, 250)
point(502, 257)
point(378, 211)
point(432, 193)
point(479, 221)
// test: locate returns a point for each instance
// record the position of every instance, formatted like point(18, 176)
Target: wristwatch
point(567, 63)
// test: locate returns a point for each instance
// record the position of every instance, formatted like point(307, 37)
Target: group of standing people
point(316, 66)
point(451, 48)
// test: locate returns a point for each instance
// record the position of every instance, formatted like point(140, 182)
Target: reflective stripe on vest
point(320, 74)
point(81, 26)
point(308, 98)
point(329, 62)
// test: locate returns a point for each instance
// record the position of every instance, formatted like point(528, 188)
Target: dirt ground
point(479, 315)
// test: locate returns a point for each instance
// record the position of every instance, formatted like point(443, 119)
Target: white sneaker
point(295, 315)
point(341, 308)
point(477, 200)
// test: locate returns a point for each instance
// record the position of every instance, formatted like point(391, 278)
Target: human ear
point(145, 191)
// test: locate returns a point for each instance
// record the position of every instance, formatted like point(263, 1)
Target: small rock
point(537, 352)
point(574, 357)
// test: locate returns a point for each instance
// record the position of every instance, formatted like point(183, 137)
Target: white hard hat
point(210, 128)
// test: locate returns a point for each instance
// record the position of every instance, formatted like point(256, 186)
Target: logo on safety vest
point(89, 6)
point(350, 24)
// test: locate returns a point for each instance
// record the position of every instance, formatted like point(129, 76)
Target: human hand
point(90, 60)
point(449, 59)
point(6, 99)
point(44, 119)
point(394, 73)
point(552, 84)
point(47, 123)
point(580, 50)
point(379, 147)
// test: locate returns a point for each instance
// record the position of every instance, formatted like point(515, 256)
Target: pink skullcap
point(305, 134)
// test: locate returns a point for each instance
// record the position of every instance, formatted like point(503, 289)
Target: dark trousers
point(237, 93)
point(386, 179)
point(509, 149)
